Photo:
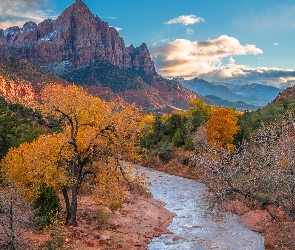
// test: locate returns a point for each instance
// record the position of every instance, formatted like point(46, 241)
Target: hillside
point(21, 80)
point(152, 93)
point(22, 71)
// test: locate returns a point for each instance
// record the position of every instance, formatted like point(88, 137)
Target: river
point(197, 229)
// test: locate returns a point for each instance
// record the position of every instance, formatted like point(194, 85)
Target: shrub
point(46, 207)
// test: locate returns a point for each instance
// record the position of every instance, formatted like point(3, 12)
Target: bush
point(101, 216)
point(46, 207)
point(165, 151)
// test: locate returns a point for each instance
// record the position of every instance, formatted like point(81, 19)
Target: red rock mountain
point(76, 36)
point(287, 93)
point(78, 39)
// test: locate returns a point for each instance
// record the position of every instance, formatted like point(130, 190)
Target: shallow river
point(197, 228)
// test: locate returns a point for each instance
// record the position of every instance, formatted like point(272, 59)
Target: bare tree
point(260, 171)
point(14, 216)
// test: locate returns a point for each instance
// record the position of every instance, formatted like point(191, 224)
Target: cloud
point(17, 12)
point(117, 28)
point(204, 59)
point(191, 58)
point(186, 20)
point(231, 60)
point(109, 17)
point(189, 31)
point(161, 41)
point(243, 74)
point(275, 44)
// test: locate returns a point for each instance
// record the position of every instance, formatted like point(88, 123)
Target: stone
point(256, 220)
point(236, 207)
point(175, 238)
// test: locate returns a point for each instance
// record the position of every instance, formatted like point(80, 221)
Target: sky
point(234, 41)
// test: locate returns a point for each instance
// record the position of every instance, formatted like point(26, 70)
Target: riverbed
point(197, 228)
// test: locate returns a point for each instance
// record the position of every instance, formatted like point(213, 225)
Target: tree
point(14, 214)
point(96, 136)
point(221, 127)
point(178, 138)
point(261, 171)
point(199, 105)
point(16, 125)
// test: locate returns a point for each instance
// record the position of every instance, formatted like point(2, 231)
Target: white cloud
point(191, 58)
point(117, 28)
point(186, 20)
point(189, 31)
point(243, 74)
point(275, 44)
point(109, 17)
point(17, 12)
point(204, 59)
point(231, 60)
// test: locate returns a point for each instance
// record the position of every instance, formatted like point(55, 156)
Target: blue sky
point(219, 40)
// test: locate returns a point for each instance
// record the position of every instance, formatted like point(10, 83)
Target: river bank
point(131, 227)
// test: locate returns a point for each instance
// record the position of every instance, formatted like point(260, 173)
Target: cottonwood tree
point(95, 137)
point(221, 128)
point(260, 171)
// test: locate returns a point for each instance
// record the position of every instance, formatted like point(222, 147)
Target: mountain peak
point(76, 37)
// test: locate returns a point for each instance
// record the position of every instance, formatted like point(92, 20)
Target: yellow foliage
point(32, 164)
point(200, 105)
point(146, 125)
point(221, 127)
point(96, 137)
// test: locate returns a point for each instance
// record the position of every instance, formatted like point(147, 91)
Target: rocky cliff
point(22, 81)
point(74, 38)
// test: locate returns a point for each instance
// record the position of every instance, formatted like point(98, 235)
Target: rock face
point(76, 36)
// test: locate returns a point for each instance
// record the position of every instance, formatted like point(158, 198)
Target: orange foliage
point(97, 136)
point(221, 127)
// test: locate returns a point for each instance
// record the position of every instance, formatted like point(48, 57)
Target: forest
point(71, 142)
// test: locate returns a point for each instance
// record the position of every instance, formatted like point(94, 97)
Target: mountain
point(20, 79)
point(78, 42)
point(254, 94)
point(287, 93)
point(153, 93)
point(75, 37)
point(225, 103)
point(264, 92)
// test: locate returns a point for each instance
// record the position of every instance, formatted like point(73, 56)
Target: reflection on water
point(198, 229)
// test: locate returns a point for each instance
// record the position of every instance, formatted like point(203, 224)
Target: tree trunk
point(74, 205)
point(68, 205)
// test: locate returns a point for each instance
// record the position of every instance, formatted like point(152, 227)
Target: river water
point(197, 229)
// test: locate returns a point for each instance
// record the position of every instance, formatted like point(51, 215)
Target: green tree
point(178, 138)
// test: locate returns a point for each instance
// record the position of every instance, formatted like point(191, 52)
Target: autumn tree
point(96, 136)
point(221, 127)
